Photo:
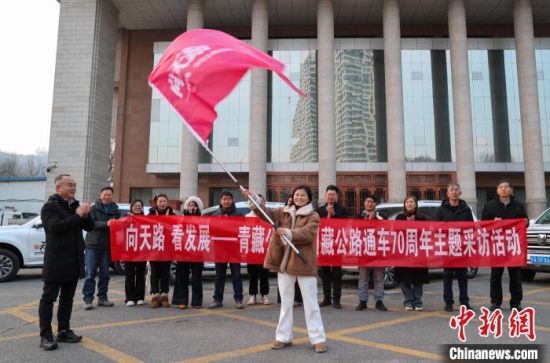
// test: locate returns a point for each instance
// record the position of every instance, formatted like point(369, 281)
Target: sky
point(28, 39)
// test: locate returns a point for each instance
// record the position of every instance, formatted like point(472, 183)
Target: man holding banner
point(332, 275)
point(227, 208)
point(505, 207)
point(454, 209)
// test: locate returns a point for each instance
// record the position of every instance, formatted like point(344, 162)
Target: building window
point(229, 138)
point(543, 66)
point(360, 106)
point(292, 118)
point(418, 104)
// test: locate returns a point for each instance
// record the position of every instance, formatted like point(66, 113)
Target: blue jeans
point(95, 259)
point(235, 276)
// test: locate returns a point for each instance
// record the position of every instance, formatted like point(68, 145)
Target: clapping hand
point(84, 209)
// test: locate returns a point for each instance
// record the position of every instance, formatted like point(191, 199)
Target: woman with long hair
point(411, 279)
point(191, 207)
point(135, 270)
point(160, 270)
point(299, 223)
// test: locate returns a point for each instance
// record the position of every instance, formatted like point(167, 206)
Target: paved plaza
point(141, 334)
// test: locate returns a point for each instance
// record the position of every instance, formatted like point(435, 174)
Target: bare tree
point(9, 167)
point(34, 166)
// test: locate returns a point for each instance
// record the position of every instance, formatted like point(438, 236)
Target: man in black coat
point(454, 209)
point(505, 207)
point(98, 250)
point(227, 208)
point(332, 275)
point(63, 219)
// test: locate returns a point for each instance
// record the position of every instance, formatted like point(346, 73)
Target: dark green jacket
point(99, 237)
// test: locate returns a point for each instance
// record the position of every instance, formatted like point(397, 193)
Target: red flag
point(199, 69)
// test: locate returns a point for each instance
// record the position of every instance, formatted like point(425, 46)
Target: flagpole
point(258, 206)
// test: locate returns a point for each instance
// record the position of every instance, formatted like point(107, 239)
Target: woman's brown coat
point(301, 228)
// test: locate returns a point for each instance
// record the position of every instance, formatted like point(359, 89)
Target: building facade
point(406, 96)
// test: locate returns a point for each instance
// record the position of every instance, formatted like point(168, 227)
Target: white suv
point(23, 246)
point(538, 247)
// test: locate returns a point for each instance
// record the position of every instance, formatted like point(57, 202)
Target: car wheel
point(172, 273)
point(389, 278)
point(528, 275)
point(119, 267)
point(471, 272)
point(9, 265)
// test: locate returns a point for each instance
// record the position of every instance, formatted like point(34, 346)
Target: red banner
point(354, 242)
point(340, 242)
point(195, 239)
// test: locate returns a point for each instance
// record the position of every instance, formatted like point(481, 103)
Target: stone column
point(83, 95)
point(464, 143)
point(189, 161)
point(529, 106)
point(440, 93)
point(397, 182)
point(326, 121)
point(257, 154)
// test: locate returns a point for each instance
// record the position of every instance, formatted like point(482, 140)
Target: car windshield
point(544, 218)
point(34, 221)
point(389, 212)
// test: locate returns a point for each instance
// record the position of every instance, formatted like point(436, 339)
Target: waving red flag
point(199, 69)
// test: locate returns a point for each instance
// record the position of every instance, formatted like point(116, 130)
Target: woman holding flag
point(299, 224)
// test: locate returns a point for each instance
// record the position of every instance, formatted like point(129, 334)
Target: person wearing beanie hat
point(191, 207)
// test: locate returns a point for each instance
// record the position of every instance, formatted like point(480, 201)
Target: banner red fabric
point(353, 242)
point(199, 69)
point(341, 242)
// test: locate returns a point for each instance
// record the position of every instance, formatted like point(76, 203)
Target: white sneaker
point(252, 300)
point(265, 300)
point(409, 308)
point(130, 303)
point(140, 302)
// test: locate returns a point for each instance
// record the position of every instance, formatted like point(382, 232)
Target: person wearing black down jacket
point(454, 209)
point(160, 270)
point(63, 219)
point(505, 207)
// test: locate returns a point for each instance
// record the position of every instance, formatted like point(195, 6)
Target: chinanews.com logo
point(520, 323)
